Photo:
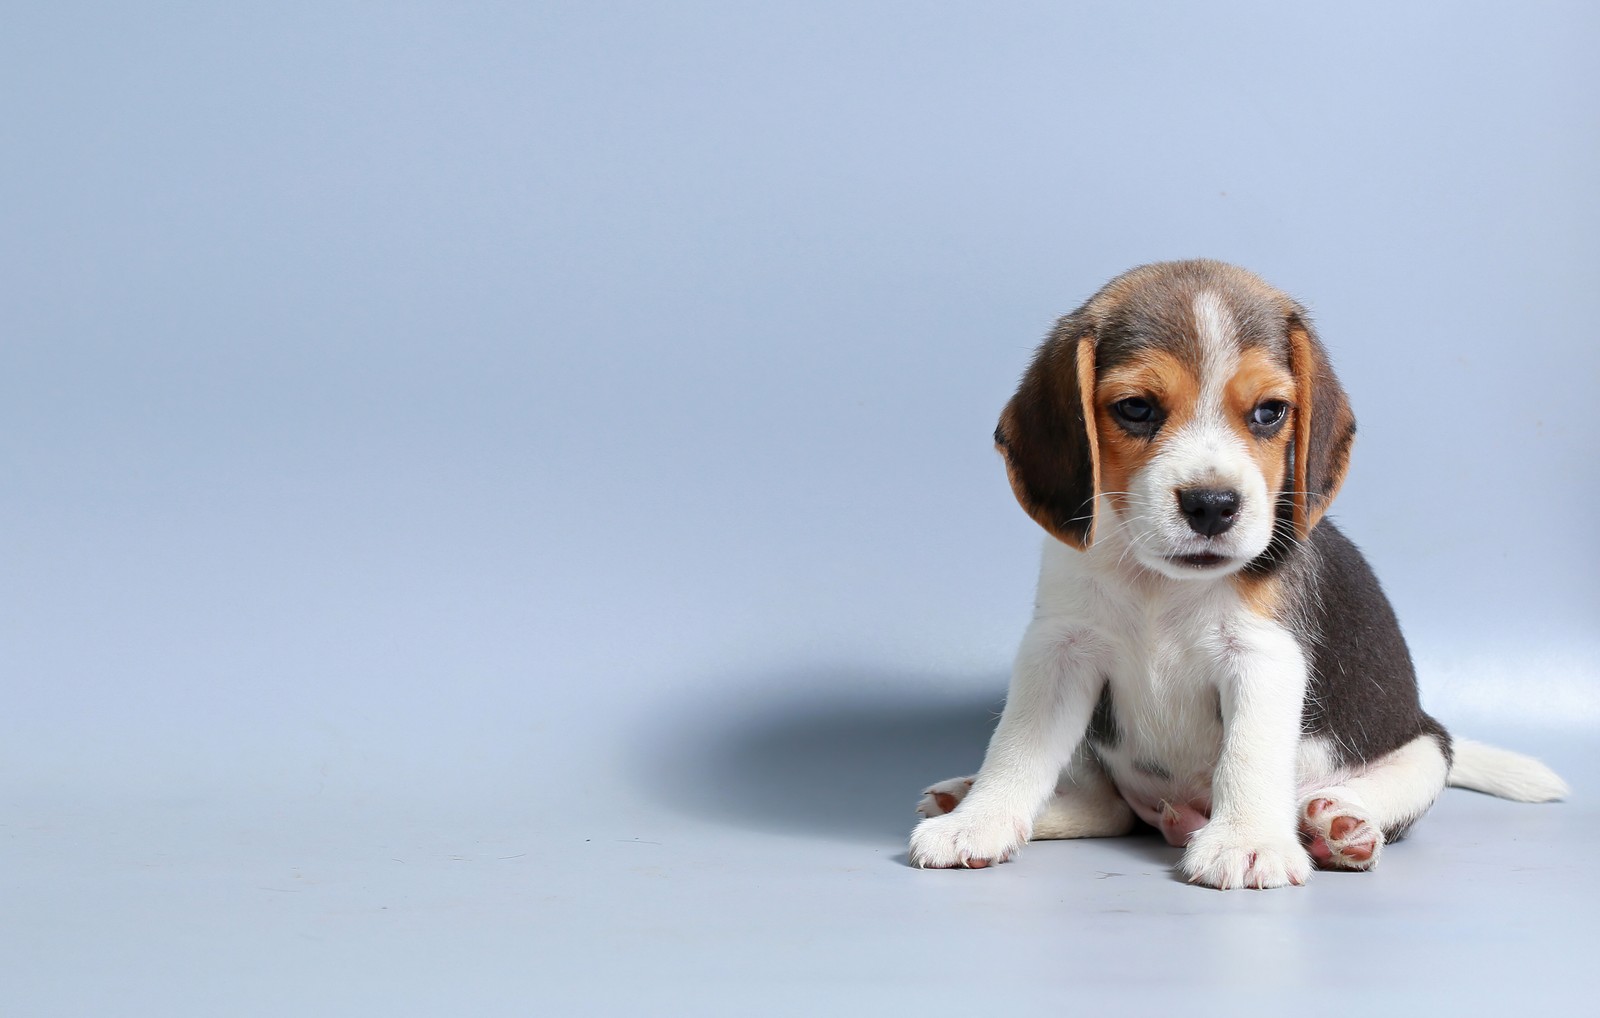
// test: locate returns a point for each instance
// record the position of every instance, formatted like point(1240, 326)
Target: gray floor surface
point(754, 862)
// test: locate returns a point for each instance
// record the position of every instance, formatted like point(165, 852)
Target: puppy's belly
point(1168, 784)
point(1176, 803)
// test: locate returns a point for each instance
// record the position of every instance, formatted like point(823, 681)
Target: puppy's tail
point(1504, 773)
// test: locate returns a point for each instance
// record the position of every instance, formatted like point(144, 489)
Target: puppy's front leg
point(1251, 839)
point(1053, 688)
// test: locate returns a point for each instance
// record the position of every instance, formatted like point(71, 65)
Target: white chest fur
point(1166, 651)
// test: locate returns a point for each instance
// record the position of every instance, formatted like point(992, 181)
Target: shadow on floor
point(831, 762)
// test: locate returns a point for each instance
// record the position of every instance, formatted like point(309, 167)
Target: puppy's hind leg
point(1085, 803)
point(944, 797)
point(1346, 825)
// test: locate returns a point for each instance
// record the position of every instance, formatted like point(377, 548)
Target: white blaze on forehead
point(1219, 351)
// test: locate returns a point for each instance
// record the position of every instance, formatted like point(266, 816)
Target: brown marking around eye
point(1155, 375)
point(1257, 379)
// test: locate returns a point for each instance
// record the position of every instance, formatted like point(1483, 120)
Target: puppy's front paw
point(1223, 857)
point(965, 839)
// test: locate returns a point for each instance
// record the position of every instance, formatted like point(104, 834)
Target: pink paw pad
point(1338, 836)
point(983, 864)
point(1321, 854)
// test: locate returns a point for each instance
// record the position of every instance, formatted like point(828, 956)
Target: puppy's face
point(1194, 454)
point(1186, 414)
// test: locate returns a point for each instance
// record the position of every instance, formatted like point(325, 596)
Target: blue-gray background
point(564, 428)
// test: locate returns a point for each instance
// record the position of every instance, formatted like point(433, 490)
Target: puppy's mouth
point(1203, 560)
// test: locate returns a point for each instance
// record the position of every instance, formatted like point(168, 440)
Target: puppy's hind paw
point(944, 797)
point(1338, 832)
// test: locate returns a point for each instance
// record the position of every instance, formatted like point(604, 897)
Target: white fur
point(1173, 651)
point(1085, 804)
point(1047, 709)
point(1219, 355)
point(1398, 787)
point(1504, 773)
point(1252, 840)
point(1385, 794)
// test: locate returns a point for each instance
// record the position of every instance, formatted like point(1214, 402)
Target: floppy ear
point(1324, 427)
point(1047, 434)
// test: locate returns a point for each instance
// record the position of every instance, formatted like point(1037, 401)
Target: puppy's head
point(1188, 413)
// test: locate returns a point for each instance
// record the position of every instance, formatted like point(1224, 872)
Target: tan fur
point(1086, 373)
point(1155, 375)
point(1264, 596)
point(1258, 379)
point(1310, 367)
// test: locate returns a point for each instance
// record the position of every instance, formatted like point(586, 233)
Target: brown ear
point(1047, 434)
point(1324, 427)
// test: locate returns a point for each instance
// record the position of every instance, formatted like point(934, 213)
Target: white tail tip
point(1504, 773)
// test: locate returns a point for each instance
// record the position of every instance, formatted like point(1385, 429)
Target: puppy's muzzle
point(1210, 511)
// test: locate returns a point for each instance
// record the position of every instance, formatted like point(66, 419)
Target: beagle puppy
point(1208, 654)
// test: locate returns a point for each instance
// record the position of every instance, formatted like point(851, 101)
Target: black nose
point(1210, 511)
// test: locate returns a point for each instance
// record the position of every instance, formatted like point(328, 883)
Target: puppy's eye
point(1268, 415)
point(1137, 416)
point(1134, 411)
